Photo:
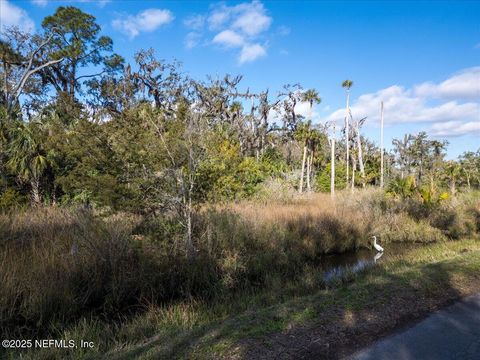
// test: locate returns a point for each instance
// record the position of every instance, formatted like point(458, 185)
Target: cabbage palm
point(311, 96)
point(26, 158)
point(452, 170)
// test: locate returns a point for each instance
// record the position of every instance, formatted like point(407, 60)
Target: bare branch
point(89, 76)
point(26, 76)
point(29, 71)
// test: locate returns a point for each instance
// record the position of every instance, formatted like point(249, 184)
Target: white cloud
point(251, 18)
point(43, 3)
point(40, 2)
point(101, 3)
point(219, 16)
point(459, 115)
point(145, 21)
point(455, 128)
point(12, 15)
point(194, 22)
point(465, 84)
point(251, 52)
point(229, 38)
point(402, 106)
point(303, 108)
point(241, 27)
point(192, 39)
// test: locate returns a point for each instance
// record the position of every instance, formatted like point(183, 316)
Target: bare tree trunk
point(189, 240)
point(347, 135)
point(452, 186)
point(189, 193)
point(381, 146)
point(354, 166)
point(300, 188)
point(312, 156)
point(308, 158)
point(360, 154)
point(54, 195)
point(262, 143)
point(332, 166)
point(289, 152)
point(308, 171)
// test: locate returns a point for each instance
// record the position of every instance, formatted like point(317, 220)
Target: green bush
point(11, 198)
point(322, 181)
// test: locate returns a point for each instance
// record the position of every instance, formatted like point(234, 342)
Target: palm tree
point(235, 109)
point(27, 159)
point(311, 96)
point(315, 140)
point(347, 84)
point(452, 171)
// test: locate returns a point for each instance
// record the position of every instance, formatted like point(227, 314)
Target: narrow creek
point(336, 265)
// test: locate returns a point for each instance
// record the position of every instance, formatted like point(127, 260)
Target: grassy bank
point(291, 317)
point(120, 280)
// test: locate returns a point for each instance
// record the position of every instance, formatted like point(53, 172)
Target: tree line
point(79, 125)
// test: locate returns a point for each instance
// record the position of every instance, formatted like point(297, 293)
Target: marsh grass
point(119, 280)
point(217, 329)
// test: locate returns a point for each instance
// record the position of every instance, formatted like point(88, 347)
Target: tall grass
point(58, 266)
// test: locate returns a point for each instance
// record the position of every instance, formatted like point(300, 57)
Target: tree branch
point(29, 71)
point(19, 88)
point(88, 76)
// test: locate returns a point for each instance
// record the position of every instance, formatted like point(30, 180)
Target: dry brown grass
point(298, 230)
point(56, 264)
point(59, 265)
point(314, 205)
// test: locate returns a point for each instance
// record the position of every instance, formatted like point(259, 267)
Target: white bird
point(377, 256)
point(375, 245)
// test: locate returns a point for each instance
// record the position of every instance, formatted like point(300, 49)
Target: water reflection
point(377, 256)
point(337, 265)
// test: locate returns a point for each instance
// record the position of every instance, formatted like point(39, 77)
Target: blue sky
point(421, 58)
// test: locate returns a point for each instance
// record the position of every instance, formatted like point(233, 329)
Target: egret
point(377, 256)
point(375, 245)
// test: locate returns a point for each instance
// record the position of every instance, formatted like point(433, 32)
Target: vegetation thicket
point(131, 187)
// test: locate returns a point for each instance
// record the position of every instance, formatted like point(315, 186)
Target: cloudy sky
point(422, 59)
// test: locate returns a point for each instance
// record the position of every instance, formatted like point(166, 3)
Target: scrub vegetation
point(162, 216)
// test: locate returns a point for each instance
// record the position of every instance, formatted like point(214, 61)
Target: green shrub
point(11, 198)
point(322, 180)
point(403, 228)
